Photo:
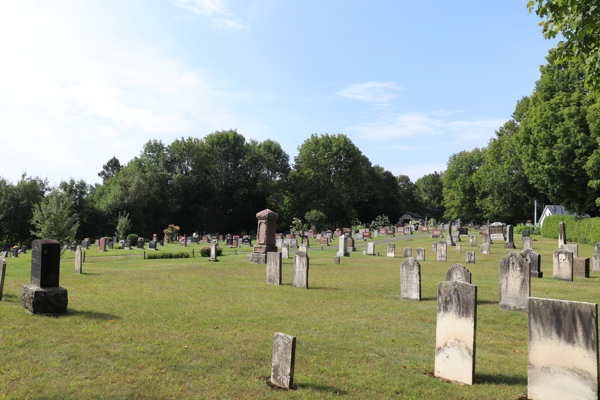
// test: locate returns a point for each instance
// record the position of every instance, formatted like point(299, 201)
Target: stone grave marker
point(455, 331)
point(152, 245)
point(360, 236)
point(484, 248)
point(473, 241)
point(441, 252)
point(183, 242)
point(391, 250)
point(410, 280)
point(562, 265)
point(15, 252)
point(510, 243)
point(285, 251)
point(85, 244)
point(458, 272)
point(436, 233)
point(279, 242)
point(434, 247)
point(43, 295)
point(563, 350)
point(470, 257)
point(367, 235)
point(78, 260)
point(597, 248)
point(213, 252)
point(300, 270)
point(458, 247)
point(581, 267)
point(2, 275)
point(274, 276)
point(420, 254)
point(283, 360)
point(571, 247)
point(562, 234)
point(515, 282)
point(302, 248)
point(370, 249)
point(527, 243)
point(343, 249)
point(596, 262)
point(407, 252)
point(265, 237)
point(351, 244)
point(102, 244)
point(140, 243)
point(525, 233)
point(535, 261)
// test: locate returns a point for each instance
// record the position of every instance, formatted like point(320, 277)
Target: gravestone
point(15, 252)
point(85, 244)
point(420, 254)
point(473, 241)
point(274, 276)
point(127, 244)
point(597, 248)
point(581, 267)
point(596, 262)
point(370, 249)
point(152, 245)
point(410, 280)
point(563, 350)
point(449, 237)
point(525, 233)
point(442, 252)
point(97, 243)
point(213, 252)
point(183, 242)
point(455, 331)
point(458, 247)
point(527, 243)
point(464, 231)
point(265, 236)
point(436, 234)
point(510, 243)
point(351, 244)
point(407, 252)
point(78, 260)
point(2, 275)
point(391, 250)
point(336, 260)
point(360, 236)
point(140, 244)
point(306, 243)
point(102, 244)
point(562, 265)
point(571, 247)
point(109, 245)
point(562, 234)
point(484, 248)
point(300, 270)
point(367, 235)
point(470, 257)
point(114, 239)
point(43, 295)
point(515, 282)
point(536, 262)
point(285, 251)
point(279, 242)
point(458, 272)
point(302, 248)
point(434, 247)
point(343, 249)
point(487, 238)
point(283, 360)
point(497, 231)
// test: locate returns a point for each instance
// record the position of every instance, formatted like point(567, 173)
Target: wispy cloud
point(216, 9)
point(372, 92)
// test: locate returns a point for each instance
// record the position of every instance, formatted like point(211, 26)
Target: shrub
point(133, 238)
point(162, 254)
point(116, 247)
point(205, 251)
point(580, 230)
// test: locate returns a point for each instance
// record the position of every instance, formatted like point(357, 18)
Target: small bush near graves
point(205, 251)
point(117, 247)
point(133, 238)
point(532, 229)
point(580, 230)
point(178, 254)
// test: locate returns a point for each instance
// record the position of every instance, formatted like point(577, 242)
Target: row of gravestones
point(420, 253)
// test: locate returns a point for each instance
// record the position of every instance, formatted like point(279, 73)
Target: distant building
point(557, 210)
point(410, 216)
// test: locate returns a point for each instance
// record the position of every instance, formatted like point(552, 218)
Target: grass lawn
point(193, 329)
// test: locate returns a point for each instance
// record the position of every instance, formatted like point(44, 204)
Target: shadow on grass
point(320, 388)
point(10, 298)
point(501, 379)
point(428, 298)
point(92, 314)
point(487, 302)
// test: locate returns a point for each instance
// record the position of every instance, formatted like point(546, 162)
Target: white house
point(557, 210)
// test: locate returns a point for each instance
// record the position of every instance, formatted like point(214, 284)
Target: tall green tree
point(430, 194)
point(55, 217)
point(110, 169)
point(460, 195)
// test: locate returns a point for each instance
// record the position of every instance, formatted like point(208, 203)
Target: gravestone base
point(537, 274)
point(509, 245)
point(257, 258)
point(342, 254)
point(50, 301)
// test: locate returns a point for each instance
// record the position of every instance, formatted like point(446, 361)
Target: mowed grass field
point(193, 329)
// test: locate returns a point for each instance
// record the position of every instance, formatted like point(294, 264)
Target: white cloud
point(372, 92)
point(216, 9)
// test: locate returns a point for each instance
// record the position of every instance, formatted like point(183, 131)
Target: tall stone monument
point(562, 234)
point(78, 260)
point(43, 295)
point(265, 237)
point(509, 243)
point(2, 274)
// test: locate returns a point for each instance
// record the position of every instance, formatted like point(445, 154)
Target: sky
point(410, 83)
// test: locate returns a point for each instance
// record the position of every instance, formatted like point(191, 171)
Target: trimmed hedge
point(580, 230)
point(162, 254)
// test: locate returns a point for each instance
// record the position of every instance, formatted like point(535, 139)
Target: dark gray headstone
point(45, 263)
point(535, 260)
point(152, 245)
point(562, 234)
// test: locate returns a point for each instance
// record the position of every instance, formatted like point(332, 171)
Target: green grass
point(193, 329)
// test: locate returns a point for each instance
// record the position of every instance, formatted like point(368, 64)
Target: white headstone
point(283, 360)
point(420, 254)
point(274, 276)
point(562, 265)
point(410, 280)
point(300, 270)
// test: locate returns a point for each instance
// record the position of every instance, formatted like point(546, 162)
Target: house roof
point(414, 215)
point(560, 210)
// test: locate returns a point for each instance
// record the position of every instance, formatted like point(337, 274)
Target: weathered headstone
point(434, 247)
point(455, 331)
point(78, 260)
point(484, 248)
point(473, 241)
point(283, 360)
point(2, 275)
point(85, 244)
point(562, 265)
point(458, 272)
point(497, 231)
point(470, 257)
point(581, 267)
point(410, 280)
point(336, 260)
point(213, 252)
point(442, 252)
point(343, 249)
point(407, 252)
point(458, 247)
point(351, 244)
point(571, 247)
point(420, 254)
point(527, 243)
point(596, 262)
point(597, 248)
point(535, 261)
point(562, 234)
point(515, 282)
point(265, 236)
point(300, 270)
point(563, 350)
point(525, 233)
point(391, 250)
point(510, 243)
point(44, 295)
point(285, 251)
point(274, 276)
point(370, 249)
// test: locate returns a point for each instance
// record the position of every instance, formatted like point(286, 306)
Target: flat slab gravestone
point(78, 260)
point(455, 329)
point(563, 350)
point(473, 241)
point(527, 243)
point(458, 272)
point(515, 282)
point(391, 250)
point(441, 254)
point(420, 254)
point(410, 280)
point(300, 270)
point(470, 257)
point(535, 260)
point(407, 252)
point(571, 247)
point(581, 267)
point(562, 265)
point(2, 275)
point(484, 248)
point(274, 276)
point(283, 360)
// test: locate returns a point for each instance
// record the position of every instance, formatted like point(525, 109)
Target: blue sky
point(409, 82)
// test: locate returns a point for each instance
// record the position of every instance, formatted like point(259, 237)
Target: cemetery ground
point(190, 328)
